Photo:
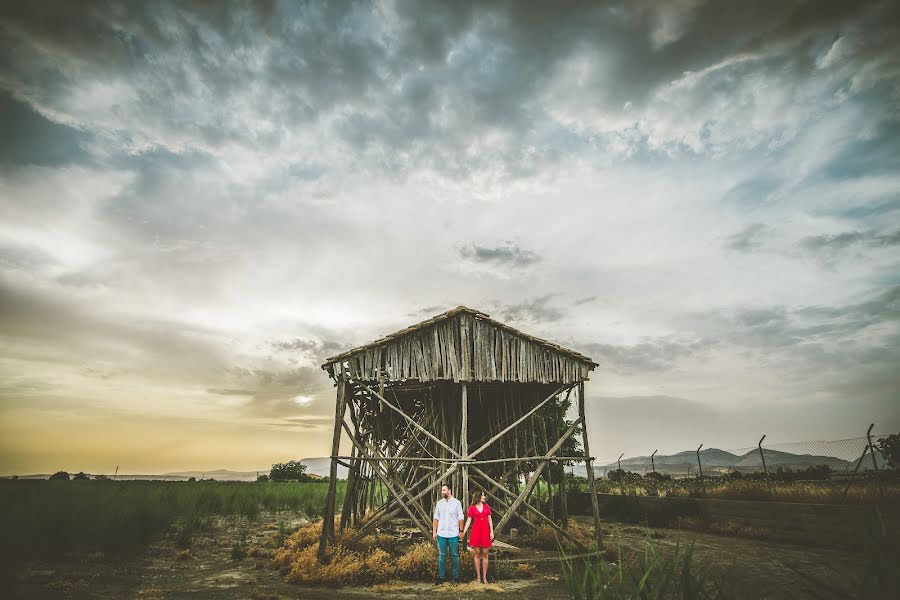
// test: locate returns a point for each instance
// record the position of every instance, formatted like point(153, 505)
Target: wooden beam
point(464, 443)
point(411, 420)
point(519, 420)
point(595, 507)
point(328, 513)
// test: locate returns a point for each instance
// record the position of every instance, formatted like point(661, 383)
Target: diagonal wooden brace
point(537, 472)
point(517, 422)
point(411, 420)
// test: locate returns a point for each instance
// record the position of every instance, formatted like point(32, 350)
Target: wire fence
point(861, 469)
point(815, 459)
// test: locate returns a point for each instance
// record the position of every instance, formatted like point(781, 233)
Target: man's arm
point(434, 523)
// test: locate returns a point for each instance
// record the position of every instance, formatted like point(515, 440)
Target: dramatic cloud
point(199, 202)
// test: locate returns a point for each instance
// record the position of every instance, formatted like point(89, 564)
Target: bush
point(623, 476)
point(60, 476)
point(889, 448)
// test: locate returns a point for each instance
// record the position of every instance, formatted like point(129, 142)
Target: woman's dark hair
point(477, 496)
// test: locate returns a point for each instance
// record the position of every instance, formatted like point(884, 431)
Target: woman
point(479, 517)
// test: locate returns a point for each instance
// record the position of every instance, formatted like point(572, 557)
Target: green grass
point(651, 574)
point(41, 519)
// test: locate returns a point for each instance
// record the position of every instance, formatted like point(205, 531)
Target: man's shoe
point(456, 580)
point(439, 581)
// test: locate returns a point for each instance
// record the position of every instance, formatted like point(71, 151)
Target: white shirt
point(448, 514)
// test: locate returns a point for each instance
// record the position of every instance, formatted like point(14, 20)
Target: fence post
point(652, 462)
point(619, 460)
point(765, 470)
point(699, 465)
point(874, 462)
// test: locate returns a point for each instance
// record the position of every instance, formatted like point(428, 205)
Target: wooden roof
point(461, 344)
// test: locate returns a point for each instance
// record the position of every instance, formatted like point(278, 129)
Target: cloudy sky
point(200, 201)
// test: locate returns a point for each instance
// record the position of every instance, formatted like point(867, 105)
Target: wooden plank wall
point(463, 348)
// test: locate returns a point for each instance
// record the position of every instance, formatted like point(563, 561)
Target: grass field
point(817, 492)
point(48, 518)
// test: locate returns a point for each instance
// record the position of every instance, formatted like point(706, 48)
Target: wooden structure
point(461, 399)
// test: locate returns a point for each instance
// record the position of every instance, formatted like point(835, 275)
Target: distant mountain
point(217, 474)
point(316, 467)
point(714, 458)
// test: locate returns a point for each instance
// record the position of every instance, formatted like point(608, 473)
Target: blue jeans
point(453, 544)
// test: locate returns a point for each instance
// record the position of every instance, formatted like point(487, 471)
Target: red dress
point(481, 529)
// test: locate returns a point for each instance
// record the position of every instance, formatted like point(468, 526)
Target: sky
point(201, 201)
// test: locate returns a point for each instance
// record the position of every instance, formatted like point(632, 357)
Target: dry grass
point(380, 565)
point(380, 558)
point(419, 562)
point(184, 555)
point(256, 594)
point(392, 586)
point(525, 570)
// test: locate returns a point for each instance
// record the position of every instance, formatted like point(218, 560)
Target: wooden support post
point(592, 488)
point(350, 493)
point(328, 512)
point(464, 445)
point(563, 498)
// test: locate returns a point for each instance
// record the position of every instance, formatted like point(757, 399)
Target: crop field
point(48, 518)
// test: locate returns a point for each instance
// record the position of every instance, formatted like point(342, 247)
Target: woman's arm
point(491, 523)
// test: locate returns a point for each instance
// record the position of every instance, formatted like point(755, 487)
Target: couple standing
point(448, 530)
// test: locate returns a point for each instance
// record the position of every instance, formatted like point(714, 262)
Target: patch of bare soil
point(214, 566)
point(229, 560)
point(763, 569)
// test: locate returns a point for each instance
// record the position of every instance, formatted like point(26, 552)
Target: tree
point(80, 476)
point(262, 478)
point(290, 471)
point(59, 476)
point(889, 448)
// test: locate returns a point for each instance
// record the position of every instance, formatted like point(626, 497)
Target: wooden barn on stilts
point(461, 399)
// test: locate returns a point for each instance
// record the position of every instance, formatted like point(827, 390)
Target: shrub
point(238, 551)
point(380, 565)
point(342, 567)
point(60, 476)
point(419, 562)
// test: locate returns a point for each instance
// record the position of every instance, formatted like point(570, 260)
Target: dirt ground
point(767, 569)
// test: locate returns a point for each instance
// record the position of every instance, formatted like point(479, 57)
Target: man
point(446, 530)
